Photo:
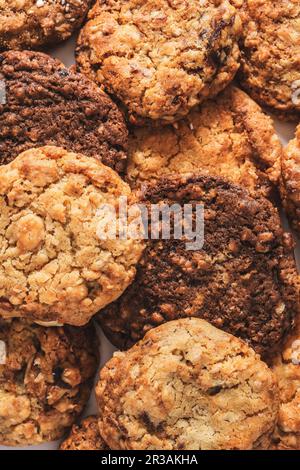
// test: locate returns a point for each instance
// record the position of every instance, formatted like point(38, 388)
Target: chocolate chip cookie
point(290, 181)
point(160, 57)
point(228, 136)
point(55, 265)
point(243, 279)
point(36, 23)
point(187, 386)
point(46, 376)
point(43, 103)
point(85, 436)
point(270, 45)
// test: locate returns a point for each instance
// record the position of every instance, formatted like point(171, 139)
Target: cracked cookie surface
point(46, 376)
point(85, 436)
point(243, 280)
point(53, 265)
point(290, 181)
point(44, 103)
point(228, 136)
point(160, 58)
point(187, 386)
point(270, 54)
point(35, 23)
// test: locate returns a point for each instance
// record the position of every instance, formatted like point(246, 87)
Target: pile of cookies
point(165, 106)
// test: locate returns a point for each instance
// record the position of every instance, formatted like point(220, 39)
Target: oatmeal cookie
point(270, 69)
point(36, 23)
point(228, 136)
point(290, 181)
point(243, 280)
point(54, 267)
point(85, 436)
point(46, 376)
point(160, 57)
point(187, 386)
point(44, 103)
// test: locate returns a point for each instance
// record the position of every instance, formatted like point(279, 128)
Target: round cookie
point(290, 181)
point(187, 386)
point(44, 103)
point(46, 376)
point(85, 436)
point(243, 280)
point(160, 58)
point(270, 61)
point(36, 23)
point(54, 264)
point(228, 136)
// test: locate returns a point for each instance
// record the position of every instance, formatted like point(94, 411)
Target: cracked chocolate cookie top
point(44, 103)
point(160, 57)
point(270, 47)
point(35, 23)
point(244, 279)
point(53, 265)
point(187, 386)
point(85, 436)
point(290, 181)
point(46, 376)
point(228, 136)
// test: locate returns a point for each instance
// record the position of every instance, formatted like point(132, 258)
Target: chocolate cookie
point(228, 136)
point(54, 264)
point(46, 376)
point(85, 436)
point(290, 181)
point(43, 103)
point(243, 280)
point(160, 57)
point(187, 386)
point(270, 45)
point(35, 23)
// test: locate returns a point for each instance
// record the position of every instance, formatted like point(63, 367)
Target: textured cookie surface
point(290, 187)
point(187, 386)
point(244, 279)
point(270, 68)
point(43, 103)
point(160, 58)
point(35, 23)
point(228, 136)
point(54, 266)
point(85, 436)
point(46, 376)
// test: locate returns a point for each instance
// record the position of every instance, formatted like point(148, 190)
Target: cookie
point(290, 181)
point(44, 103)
point(270, 59)
point(243, 280)
point(159, 57)
point(287, 370)
point(187, 386)
point(54, 265)
point(46, 376)
point(85, 436)
point(36, 23)
point(228, 136)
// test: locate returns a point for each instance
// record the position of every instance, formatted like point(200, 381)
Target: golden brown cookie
point(228, 136)
point(187, 386)
point(46, 376)
point(270, 46)
point(85, 436)
point(35, 23)
point(290, 181)
point(53, 265)
point(160, 57)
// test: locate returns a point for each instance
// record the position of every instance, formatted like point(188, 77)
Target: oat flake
point(2, 353)
point(2, 92)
